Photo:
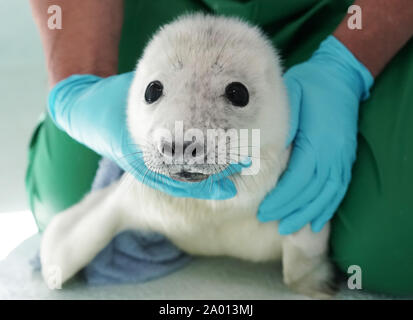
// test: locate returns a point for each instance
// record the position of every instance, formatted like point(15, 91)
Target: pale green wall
point(23, 90)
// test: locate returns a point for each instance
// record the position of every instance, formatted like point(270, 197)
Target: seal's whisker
point(251, 156)
point(220, 53)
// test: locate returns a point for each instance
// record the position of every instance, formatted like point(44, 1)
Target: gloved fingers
point(216, 187)
point(294, 91)
point(306, 214)
point(132, 153)
point(212, 188)
point(306, 196)
point(299, 175)
point(318, 223)
point(342, 175)
point(234, 168)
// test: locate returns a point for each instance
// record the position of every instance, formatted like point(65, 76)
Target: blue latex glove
point(327, 90)
point(92, 110)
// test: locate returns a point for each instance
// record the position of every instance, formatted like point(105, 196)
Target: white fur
point(183, 55)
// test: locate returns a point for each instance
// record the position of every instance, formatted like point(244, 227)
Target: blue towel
point(132, 256)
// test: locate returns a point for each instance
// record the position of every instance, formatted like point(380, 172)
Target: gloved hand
point(327, 90)
point(92, 110)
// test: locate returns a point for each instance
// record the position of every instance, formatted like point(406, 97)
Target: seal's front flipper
point(75, 236)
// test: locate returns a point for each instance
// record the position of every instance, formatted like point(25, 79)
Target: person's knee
point(382, 251)
point(59, 174)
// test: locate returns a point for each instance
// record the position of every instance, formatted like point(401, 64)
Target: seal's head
point(201, 76)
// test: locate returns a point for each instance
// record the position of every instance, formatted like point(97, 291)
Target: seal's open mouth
point(189, 176)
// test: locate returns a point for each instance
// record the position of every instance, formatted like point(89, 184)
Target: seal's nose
point(188, 152)
point(167, 149)
point(193, 150)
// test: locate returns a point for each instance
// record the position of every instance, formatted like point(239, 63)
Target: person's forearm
point(387, 26)
point(89, 38)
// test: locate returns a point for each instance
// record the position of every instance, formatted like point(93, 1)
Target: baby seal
point(205, 72)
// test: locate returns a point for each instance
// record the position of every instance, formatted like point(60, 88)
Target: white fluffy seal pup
point(207, 72)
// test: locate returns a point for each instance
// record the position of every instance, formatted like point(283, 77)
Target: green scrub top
point(373, 226)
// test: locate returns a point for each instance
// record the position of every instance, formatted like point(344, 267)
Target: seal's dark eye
point(238, 94)
point(153, 91)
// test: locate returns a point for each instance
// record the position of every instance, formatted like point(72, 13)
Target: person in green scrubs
point(372, 226)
